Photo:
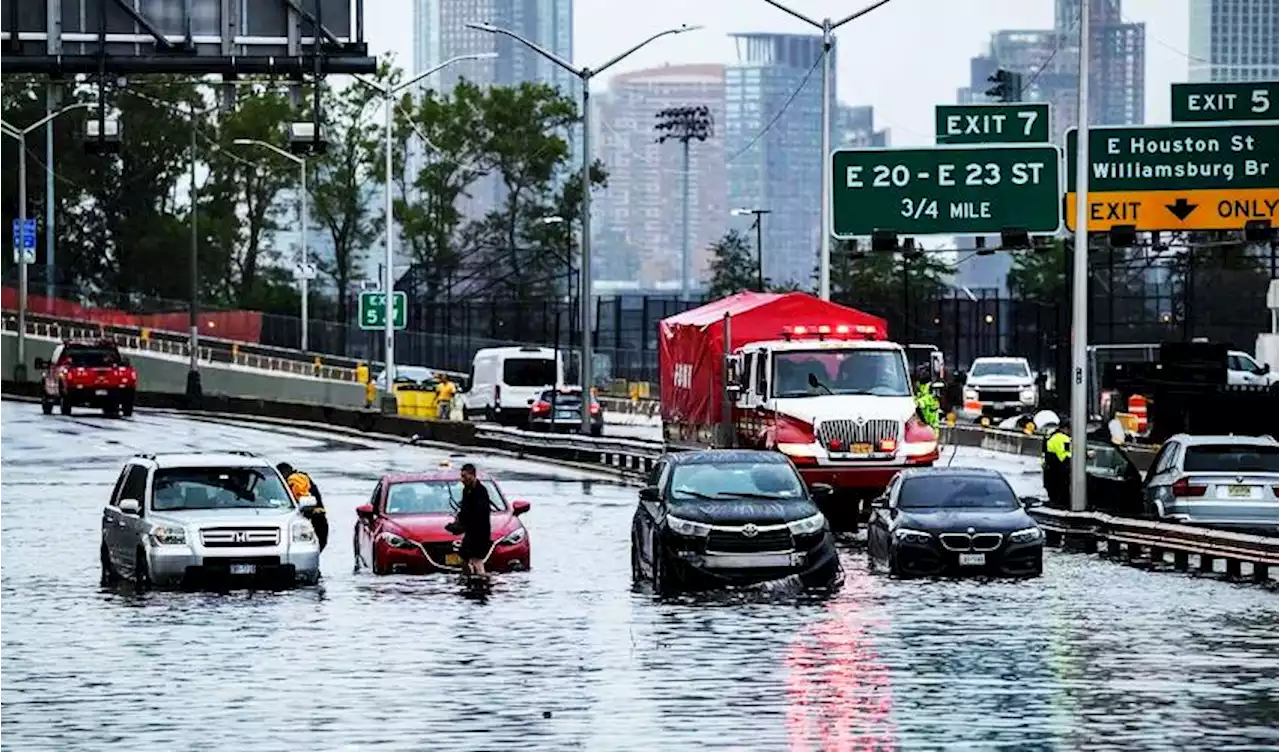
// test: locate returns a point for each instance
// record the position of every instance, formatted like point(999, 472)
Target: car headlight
point(1028, 395)
point(303, 532)
point(808, 525)
point(168, 535)
point(911, 536)
point(971, 394)
point(687, 527)
point(395, 541)
point(1027, 535)
point(513, 537)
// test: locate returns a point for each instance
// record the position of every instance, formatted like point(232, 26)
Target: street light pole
point(20, 134)
point(758, 226)
point(584, 270)
point(389, 93)
point(1080, 279)
point(304, 265)
point(568, 282)
point(827, 27)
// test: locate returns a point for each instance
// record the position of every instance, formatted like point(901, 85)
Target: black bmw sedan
point(932, 521)
point(720, 518)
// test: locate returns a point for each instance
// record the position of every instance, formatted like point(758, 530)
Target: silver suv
point(1226, 482)
point(176, 518)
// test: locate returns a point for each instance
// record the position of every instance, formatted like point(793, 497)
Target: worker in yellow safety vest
point(445, 389)
point(1056, 459)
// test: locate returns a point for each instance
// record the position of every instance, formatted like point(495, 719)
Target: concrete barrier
point(167, 374)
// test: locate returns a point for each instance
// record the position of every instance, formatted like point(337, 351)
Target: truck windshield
point(529, 372)
point(999, 368)
point(809, 373)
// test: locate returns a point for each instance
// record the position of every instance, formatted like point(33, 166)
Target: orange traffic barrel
point(1138, 406)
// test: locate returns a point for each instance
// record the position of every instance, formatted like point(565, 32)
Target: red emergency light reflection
point(861, 331)
point(839, 694)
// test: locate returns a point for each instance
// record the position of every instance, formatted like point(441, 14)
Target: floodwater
point(568, 656)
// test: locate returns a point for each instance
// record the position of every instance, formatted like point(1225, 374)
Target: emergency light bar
point(862, 331)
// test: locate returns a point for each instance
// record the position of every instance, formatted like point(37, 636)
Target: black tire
point(637, 573)
point(126, 405)
point(141, 571)
point(64, 404)
point(109, 574)
point(894, 569)
point(661, 585)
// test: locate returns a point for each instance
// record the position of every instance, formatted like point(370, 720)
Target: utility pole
point(1080, 279)
point(194, 389)
point(684, 124)
point(758, 226)
point(828, 27)
point(584, 270)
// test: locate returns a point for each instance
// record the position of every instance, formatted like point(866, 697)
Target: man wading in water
point(472, 522)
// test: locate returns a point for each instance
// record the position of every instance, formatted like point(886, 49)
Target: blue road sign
point(29, 235)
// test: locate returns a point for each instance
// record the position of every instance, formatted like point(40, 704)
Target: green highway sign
point(945, 190)
point(1219, 102)
point(1178, 177)
point(1019, 123)
point(373, 310)
point(1173, 157)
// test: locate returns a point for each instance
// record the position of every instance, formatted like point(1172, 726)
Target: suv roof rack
point(145, 455)
point(243, 452)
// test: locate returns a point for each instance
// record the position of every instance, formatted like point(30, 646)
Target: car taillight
point(540, 407)
point(1183, 488)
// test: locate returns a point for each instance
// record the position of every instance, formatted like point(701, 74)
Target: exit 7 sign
point(1019, 123)
point(373, 310)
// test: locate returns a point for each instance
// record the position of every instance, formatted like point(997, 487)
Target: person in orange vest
point(300, 484)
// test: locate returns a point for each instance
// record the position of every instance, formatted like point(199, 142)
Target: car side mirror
point(365, 511)
point(519, 507)
point(821, 490)
point(1031, 501)
point(131, 507)
point(650, 493)
point(880, 502)
point(42, 364)
point(1263, 369)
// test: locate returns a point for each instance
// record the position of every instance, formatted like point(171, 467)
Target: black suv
point(728, 517)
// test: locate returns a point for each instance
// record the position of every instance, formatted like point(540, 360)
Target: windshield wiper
point(748, 495)
point(698, 495)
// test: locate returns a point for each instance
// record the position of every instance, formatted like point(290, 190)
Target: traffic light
point(1008, 86)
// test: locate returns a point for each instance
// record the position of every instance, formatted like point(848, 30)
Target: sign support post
point(1080, 282)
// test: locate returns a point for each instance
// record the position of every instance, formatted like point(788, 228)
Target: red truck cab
point(88, 374)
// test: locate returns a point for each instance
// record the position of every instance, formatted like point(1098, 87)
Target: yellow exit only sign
point(1150, 211)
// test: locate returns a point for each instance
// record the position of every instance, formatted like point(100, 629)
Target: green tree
point(878, 279)
point(733, 266)
point(340, 184)
point(1040, 276)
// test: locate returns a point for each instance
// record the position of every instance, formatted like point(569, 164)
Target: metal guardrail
point(630, 457)
point(1148, 541)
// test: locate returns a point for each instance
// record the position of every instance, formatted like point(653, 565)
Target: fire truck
point(817, 381)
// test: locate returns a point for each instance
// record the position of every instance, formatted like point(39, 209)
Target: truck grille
point(849, 432)
point(1003, 394)
point(975, 542)
point(238, 537)
point(733, 541)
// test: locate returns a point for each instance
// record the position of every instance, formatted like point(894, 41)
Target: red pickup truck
point(91, 374)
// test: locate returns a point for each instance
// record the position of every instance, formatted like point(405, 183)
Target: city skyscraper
point(855, 128)
point(638, 215)
point(774, 160)
point(1234, 40)
point(440, 32)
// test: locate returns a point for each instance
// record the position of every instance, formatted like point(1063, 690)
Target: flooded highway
point(568, 656)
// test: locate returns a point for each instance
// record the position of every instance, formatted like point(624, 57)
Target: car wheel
point(637, 572)
point(141, 571)
point(895, 570)
point(661, 585)
point(109, 574)
point(64, 404)
point(126, 406)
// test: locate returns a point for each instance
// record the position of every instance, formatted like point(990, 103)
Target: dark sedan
point(932, 521)
point(720, 518)
point(561, 410)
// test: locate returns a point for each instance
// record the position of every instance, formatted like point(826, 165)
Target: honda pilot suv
point(90, 374)
point(183, 518)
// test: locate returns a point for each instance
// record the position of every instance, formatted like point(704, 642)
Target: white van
point(505, 382)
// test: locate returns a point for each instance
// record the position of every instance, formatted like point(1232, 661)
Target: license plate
point(973, 560)
point(566, 416)
point(101, 392)
point(1239, 491)
point(748, 561)
point(860, 449)
point(243, 569)
point(452, 560)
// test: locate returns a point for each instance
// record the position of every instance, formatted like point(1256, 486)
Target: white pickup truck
point(999, 387)
point(1243, 369)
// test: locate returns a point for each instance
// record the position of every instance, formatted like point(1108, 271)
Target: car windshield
point(956, 492)
point(764, 480)
point(1231, 458)
point(999, 368)
point(435, 497)
point(84, 357)
point(808, 373)
point(528, 371)
point(186, 488)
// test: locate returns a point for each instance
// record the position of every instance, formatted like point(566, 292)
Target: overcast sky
point(902, 58)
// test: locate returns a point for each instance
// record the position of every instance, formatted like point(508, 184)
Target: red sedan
point(403, 528)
